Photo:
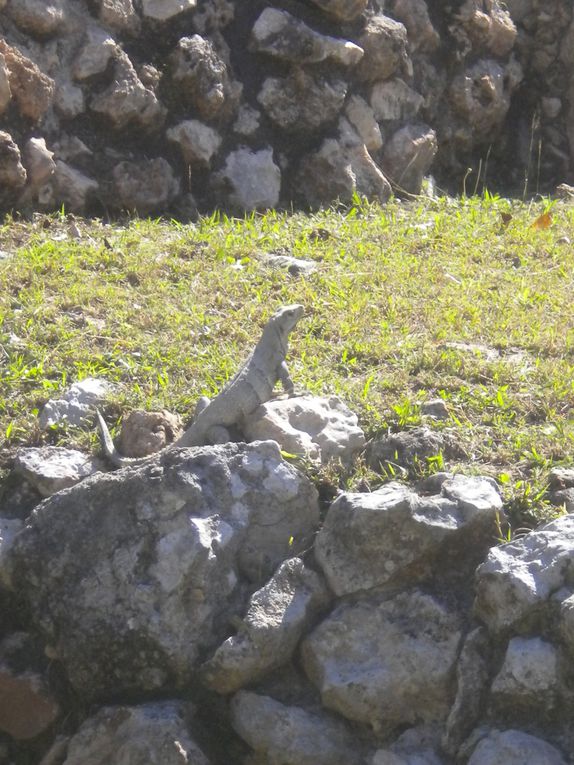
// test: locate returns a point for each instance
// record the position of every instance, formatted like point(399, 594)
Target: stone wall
point(172, 105)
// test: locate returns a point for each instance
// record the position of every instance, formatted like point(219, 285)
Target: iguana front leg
point(285, 378)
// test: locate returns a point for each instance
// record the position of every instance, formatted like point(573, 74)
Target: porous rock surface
point(264, 86)
point(200, 609)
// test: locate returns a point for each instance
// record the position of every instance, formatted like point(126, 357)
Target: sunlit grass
point(167, 311)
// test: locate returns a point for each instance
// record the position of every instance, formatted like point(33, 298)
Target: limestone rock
point(69, 100)
point(213, 15)
point(283, 36)
point(12, 172)
point(384, 41)
point(276, 619)
point(342, 10)
point(38, 161)
point(97, 50)
point(5, 93)
point(120, 16)
point(414, 15)
point(139, 735)
point(32, 90)
point(53, 468)
point(202, 78)
point(146, 186)
point(247, 122)
point(363, 120)
point(408, 156)
point(73, 189)
point(39, 18)
point(435, 408)
point(162, 10)
point(295, 266)
point(153, 560)
point(527, 685)
point(144, 432)
point(290, 735)
point(76, 404)
point(303, 101)
point(250, 179)
point(394, 100)
point(489, 27)
point(340, 170)
point(127, 102)
point(363, 541)
point(513, 747)
point(197, 142)
point(385, 662)
point(319, 428)
point(516, 581)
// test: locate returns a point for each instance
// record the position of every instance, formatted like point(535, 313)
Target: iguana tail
point(110, 450)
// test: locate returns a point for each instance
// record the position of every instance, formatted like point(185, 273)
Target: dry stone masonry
point(169, 106)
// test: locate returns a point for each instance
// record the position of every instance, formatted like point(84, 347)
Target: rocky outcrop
point(249, 106)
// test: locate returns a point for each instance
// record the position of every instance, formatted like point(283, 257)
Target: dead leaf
point(543, 221)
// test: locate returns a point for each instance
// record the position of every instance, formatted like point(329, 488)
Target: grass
point(166, 311)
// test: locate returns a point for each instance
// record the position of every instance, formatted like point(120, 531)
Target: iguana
point(251, 386)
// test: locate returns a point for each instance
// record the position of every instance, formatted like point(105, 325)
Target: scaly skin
point(251, 386)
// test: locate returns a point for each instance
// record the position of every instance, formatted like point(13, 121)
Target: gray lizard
point(251, 386)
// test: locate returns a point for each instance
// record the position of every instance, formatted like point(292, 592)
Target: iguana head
point(286, 318)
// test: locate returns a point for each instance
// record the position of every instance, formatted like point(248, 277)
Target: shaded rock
point(472, 679)
point(197, 142)
point(513, 747)
point(9, 527)
point(561, 478)
point(276, 619)
point(131, 590)
point(32, 90)
point(385, 662)
point(162, 10)
point(303, 101)
point(146, 186)
point(406, 752)
point(414, 15)
point(249, 179)
point(203, 79)
point(290, 735)
point(283, 36)
point(319, 428)
point(5, 93)
point(72, 188)
point(407, 448)
point(363, 120)
point(564, 498)
point(69, 100)
point(127, 102)
point(527, 685)
point(481, 96)
point(384, 42)
point(12, 172)
point(26, 706)
point(138, 735)
point(342, 10)
point(408, 155)
point(144, 432)
point(340, 170)
point(392, 537)
point(516, 582)
point(76, 404)
point(95, 54)
point(394, 100)
point(247, 122)
point(53, 468)
point(38, 18)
